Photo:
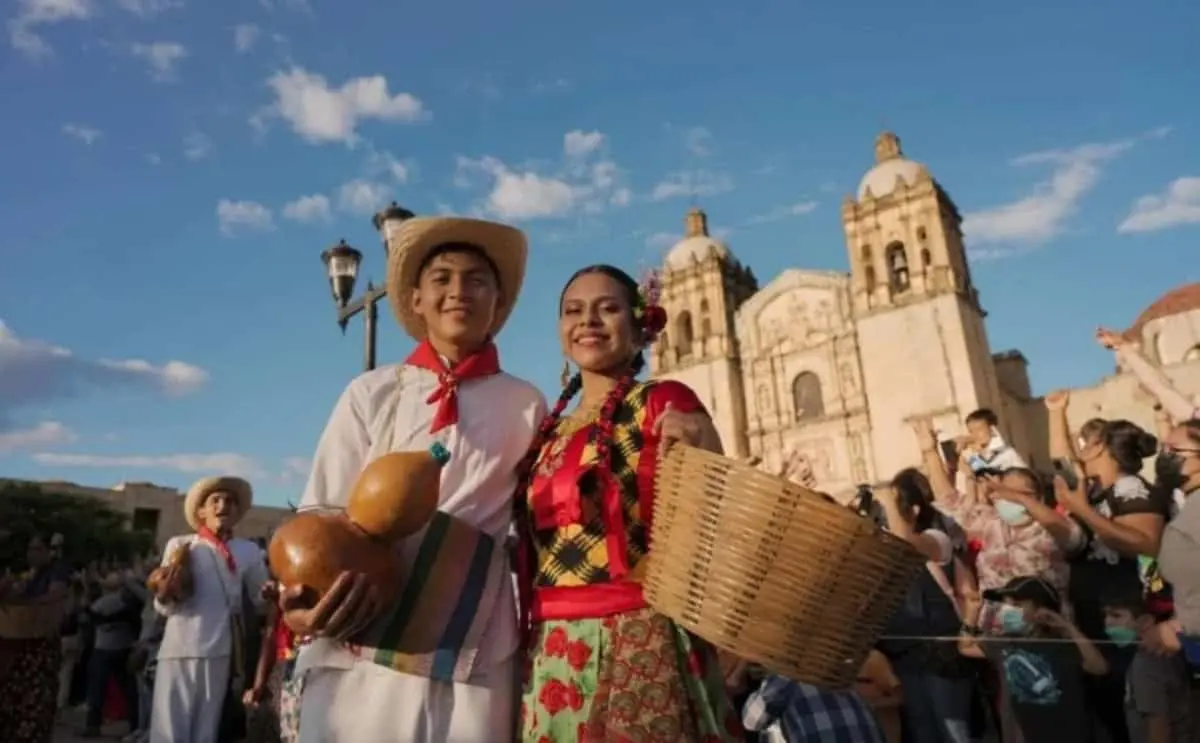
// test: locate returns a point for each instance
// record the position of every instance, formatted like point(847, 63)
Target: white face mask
point(1011, 513)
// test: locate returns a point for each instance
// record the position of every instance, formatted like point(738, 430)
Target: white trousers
point(372, 704)
point(188, 696)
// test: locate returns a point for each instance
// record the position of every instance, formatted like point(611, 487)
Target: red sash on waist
point(586, 602)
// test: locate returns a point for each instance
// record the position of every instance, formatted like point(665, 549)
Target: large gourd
point(394, 497)
point(180, 564)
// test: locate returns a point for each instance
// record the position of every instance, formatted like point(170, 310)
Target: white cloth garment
point(200, 627)
point(187, 699)
point(387, 410)
point(370, 703)
point(194, 655)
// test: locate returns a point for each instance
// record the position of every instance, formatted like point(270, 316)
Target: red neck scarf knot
point(483, 363)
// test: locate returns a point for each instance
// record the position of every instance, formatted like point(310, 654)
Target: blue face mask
point(1012, 620)
point(1122, 636)
point(1011, 513)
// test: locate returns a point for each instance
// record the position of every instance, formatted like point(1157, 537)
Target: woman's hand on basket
point(694, 429)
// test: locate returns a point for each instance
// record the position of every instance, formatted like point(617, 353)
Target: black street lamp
point(342, 263)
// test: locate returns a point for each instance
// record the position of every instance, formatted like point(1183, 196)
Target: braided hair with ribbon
point(648, 319)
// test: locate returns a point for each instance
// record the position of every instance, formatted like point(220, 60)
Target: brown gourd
point(178, 564)
point(394, 498)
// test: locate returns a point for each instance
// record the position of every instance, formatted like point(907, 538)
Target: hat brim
point(235, 486)
point(412, 242)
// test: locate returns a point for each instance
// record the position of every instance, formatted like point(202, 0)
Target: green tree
point(91, 528)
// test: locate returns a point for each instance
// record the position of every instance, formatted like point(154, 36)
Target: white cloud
point(319, 113)
point(239, 216)
point(552, 86)
point(224, 463)
point(244, 36)
point(296, 468)
point(22, 28)
point(524, 193)
point(46, 433)
point(384, 163)
point(33, 373)
point(798, 209)
point(298, 6)
point(579, 143)
point(662, 240)
point(361, 196)
point(154, 158)
point(197, 146)
point(85, 134)
point(1178, 205)
point(698, 141)
point(163, 58)
point(691, 183)
point(308, 209)
point(148, 8)
point(1045, 213)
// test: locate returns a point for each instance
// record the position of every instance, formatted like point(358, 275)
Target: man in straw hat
point(196, 659)
point(452, 283)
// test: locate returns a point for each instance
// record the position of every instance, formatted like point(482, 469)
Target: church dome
point(697, 244)
point(1175, 302)
point(891, 166)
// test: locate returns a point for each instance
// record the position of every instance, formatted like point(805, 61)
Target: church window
point(898, 271)
point(869, 273)
point(703, 306)
point(807, 400)
point(926, 258)
point(921, 234)
point(705, 327)
point(683, 333)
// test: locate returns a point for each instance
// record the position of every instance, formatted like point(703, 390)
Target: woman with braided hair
point(602, 665)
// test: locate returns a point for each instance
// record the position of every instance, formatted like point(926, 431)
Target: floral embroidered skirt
point(28, 689)
point(630, 678)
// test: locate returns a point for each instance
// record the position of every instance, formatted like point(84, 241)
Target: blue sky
point(172, 170)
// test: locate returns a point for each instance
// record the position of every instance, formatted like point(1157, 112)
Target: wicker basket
point(770, 571)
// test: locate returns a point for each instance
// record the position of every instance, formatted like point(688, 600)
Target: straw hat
point(415, 238)
point(235, 486)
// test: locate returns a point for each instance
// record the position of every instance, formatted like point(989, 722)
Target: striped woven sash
point(446, 603)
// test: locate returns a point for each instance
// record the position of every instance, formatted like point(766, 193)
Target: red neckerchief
point(220, 545)
point(483, 363)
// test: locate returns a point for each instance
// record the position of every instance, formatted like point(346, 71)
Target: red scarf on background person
point(220, 545)
point(483, 363)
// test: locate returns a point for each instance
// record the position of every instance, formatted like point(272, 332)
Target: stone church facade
point(837, 365)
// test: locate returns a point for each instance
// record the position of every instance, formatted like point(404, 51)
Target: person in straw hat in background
point(452, 283)
point(202, 585)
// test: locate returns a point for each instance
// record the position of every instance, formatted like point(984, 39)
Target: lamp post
point(342, 263)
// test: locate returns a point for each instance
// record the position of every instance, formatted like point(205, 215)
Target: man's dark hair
point(460, 249)
point(986, 415)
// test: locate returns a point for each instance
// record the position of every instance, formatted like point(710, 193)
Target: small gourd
point(394, 498)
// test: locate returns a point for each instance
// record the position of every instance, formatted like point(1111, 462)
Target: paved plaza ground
point(70, 724)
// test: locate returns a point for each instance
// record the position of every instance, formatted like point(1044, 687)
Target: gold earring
point(566, 373)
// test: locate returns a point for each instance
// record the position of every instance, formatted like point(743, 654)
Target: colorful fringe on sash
point(435, 628)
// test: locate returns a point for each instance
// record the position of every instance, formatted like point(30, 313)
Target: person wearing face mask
point(1178, 467)
point(1041, 658)
point(1157, 700)
point(1121, 520)
point(1004, 516)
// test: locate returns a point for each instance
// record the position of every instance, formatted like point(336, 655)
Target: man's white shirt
point(388, 410)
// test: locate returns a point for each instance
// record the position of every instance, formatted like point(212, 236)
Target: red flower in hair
point(654, 319)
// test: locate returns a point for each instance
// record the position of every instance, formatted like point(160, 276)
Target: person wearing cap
point(1042, 659)
point(197, 658)
point(452, 284)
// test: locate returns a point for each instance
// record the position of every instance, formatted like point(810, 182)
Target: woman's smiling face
point(595, 323)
